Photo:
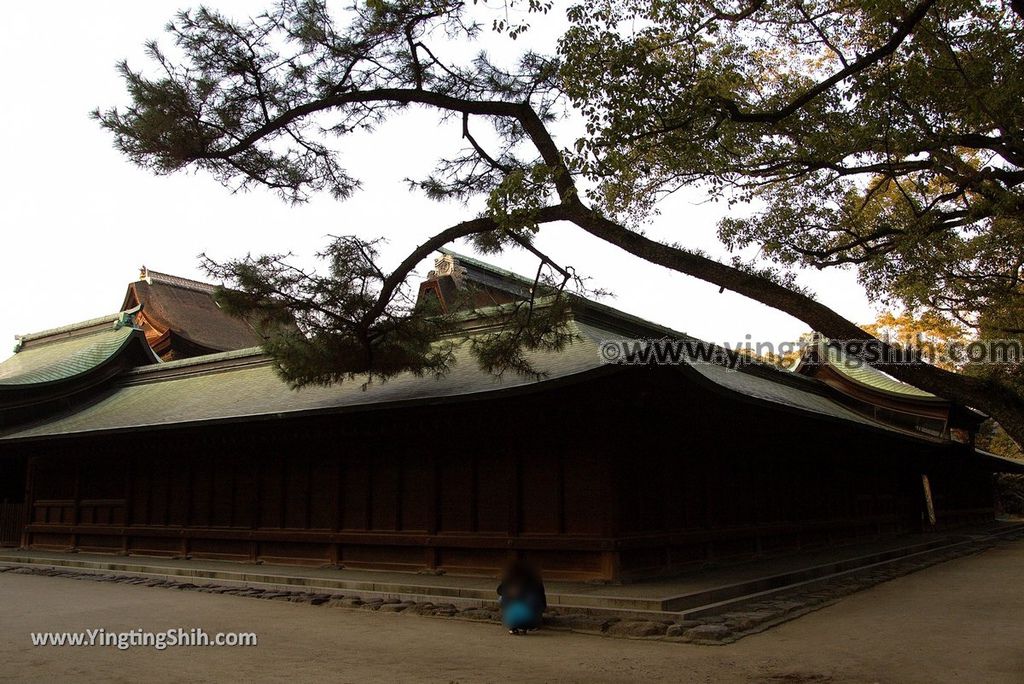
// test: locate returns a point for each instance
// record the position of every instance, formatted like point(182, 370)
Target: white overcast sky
point(77, 219)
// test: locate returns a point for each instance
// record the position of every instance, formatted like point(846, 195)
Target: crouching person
point(522, 599)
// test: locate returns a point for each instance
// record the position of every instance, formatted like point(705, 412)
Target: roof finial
point(447, 265)
point(126, 319)
point(144, 274)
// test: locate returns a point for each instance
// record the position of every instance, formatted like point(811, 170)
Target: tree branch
point(459, 230)
point(479, 150)
point(771, 116)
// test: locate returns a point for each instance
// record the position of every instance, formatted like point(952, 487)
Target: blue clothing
point(519, 614)
point(522, 598)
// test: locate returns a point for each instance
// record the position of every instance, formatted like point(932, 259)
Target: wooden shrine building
point(164, 430)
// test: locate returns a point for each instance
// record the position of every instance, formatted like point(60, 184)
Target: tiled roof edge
point(175, 281)
point(253, 354)
point(71, 327)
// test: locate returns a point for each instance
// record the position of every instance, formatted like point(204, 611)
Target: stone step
point(705, 602)
point(769, 583)
point(818, 576)
point(263, 580)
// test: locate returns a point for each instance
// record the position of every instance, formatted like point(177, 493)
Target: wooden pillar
point(561, 491)
point(307, 523)
point(148, 465)
point(257, 506)
point(369, 494)
point(216, 457)
point(434, 496)
point(282, 489)
point(257, 498)
point(399, 481)
point(125, 536)
point(709, 505)
point(611, 566)
point(611, 560)
point(26, 539)
point(474, 492)
point(236, 465)
point(431, 554)
point(189, 485)
point(76, 512)
point(515, 518)
point(129, 497)
point(339, 492)
point(337, 550)
point(190, 480)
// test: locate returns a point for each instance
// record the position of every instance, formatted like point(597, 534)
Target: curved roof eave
point(76, 375)
point(911, 393)
point(816, 406)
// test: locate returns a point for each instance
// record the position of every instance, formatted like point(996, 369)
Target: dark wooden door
point(12, 520)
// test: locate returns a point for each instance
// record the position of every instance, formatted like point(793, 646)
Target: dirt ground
point(960, 621)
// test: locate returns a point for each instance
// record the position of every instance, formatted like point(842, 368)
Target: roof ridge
point(594, 305)
point(70, 327)
point(205, 359)
point(497, 270)
point(152, 276)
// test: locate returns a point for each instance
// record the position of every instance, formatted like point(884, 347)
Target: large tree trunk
point(989, 396)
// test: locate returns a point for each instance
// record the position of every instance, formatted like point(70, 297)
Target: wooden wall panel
point(159, 489)
point(386, 492)
point(398, 557)
point(472, 560)
point(202, 492)
point(219, 549)
point(693, 493)
point(558, 561)
point(638, 488)
point(292, 552)
point(179, 487)
point(296, 492)
point(417, 492)
point(355, 484)
point(541, 494)
point(272, 482)
point(101, 543)
point(141, 479)
point(457, 484)
point(53, 479)
point(97, 480)
point(242, 510)
point(323, 492)
point(371, 490)
point(672, 485)
point(585, 495)
point(222, 498)
point(496, 486)
point(161, 546)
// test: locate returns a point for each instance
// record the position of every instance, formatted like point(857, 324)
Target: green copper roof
point(70, 353)
point(242, 384)
point(763, 389)
point(860, 372)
